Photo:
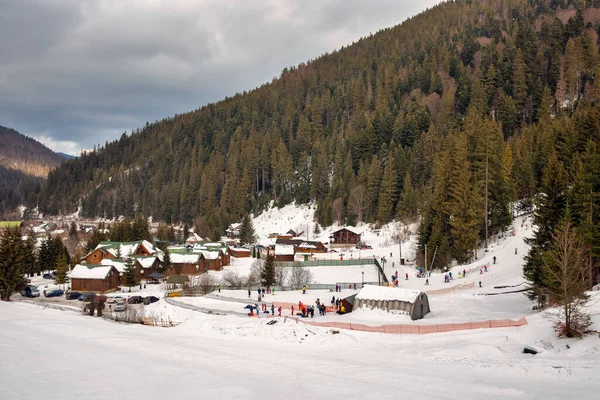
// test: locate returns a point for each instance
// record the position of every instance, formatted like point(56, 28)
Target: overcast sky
point(74, 73)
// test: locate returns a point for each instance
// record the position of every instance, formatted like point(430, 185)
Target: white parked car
point(113, 300)
point(121, 305)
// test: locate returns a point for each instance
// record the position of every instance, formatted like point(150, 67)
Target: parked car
point(72, 295)
point(47, 276)
point(135, 300)
point(31, 291)
point(363, 246)
point(121, 305)
point(116, 299)
point(101, 297)
point(87, 296)
point(150, 300)
point(54, 293)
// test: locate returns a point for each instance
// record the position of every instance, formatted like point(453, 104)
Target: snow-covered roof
point(384, 293)
point(146, 262)
point(284, 250)
point(187, 258)
point(126, 248)
point(194, 238)
point(119, 265)
point(209, 255)
point(84, 272)
point(240, 249)
point(307, 245)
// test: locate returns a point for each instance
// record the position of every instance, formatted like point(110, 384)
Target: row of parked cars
point(91, 296)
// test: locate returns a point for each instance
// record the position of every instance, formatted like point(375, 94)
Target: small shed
point(414, 302)
point(154, 277)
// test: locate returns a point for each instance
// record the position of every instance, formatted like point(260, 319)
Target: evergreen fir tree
point(11, 263)
point(166, 265)
point(247, 230)
point(73, 229)
point(550, 207)
point(61, 271)
point(267, 272)
point(30, 264)
point(387, 194)
point(129, 276)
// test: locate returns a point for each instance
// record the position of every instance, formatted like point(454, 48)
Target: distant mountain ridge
point(24, 166)
point(22, 153)
point(66, 156)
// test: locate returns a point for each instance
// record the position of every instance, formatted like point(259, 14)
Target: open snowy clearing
point(62, 354)
point(46, 352)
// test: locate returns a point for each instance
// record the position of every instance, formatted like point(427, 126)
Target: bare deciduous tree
point(356, 201)
point(281, 274)
point(566, 279)
point(255, 269)
point(300, 276)
point(233, 278)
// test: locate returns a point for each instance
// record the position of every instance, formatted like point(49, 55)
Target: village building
point(122, 250)
point(344, 237)
point(200, 258)
point(284, 252)
point(233, 231)
point(193, 239)
point(303, 246)
point(240, 252)
point(93, 278)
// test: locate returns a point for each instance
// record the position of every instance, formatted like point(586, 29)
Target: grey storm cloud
point(77, 73)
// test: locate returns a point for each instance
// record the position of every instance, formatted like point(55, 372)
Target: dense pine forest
point(454, 116)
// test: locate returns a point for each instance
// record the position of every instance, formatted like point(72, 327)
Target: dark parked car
point(87, 296)
point(135, 300)
point(150, 300)
point(102, 298)
point(72, 295)
point(47, 276)
point(54, 293)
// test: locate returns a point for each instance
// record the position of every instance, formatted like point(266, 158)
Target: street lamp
point(362, 280)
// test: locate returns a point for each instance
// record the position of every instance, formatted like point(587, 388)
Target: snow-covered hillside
point(233, 356)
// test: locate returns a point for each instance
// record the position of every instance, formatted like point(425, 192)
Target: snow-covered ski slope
point(61, 354)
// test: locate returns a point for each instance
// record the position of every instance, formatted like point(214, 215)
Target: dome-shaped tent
point(415, 303)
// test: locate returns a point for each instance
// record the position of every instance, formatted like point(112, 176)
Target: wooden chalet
point(284, 252)
point(345, 236)
point(233, 231)
point(114, 250)
point(240, 252)
point(303, 246)
point(98, 279)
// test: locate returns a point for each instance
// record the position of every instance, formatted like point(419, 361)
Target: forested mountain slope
point(464, 108)
point(24, 163)
point(25, 154)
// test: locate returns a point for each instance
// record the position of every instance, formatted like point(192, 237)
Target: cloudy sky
point(74, 73)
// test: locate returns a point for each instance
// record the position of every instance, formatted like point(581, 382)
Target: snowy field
point(61, 354)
